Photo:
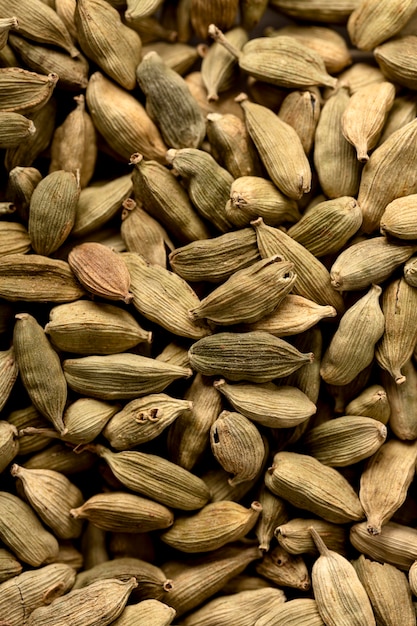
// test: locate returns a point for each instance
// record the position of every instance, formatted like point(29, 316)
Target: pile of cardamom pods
point(208, 312)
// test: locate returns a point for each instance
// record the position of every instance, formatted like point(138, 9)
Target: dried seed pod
point(284, 569)
point(6, 24)
point(371, 402)
point(396, 60)
point(8, 375)
point(176, 55)
point(215, 260)
point(388, 591)
point(400, 335)
point(218, 65)
point(302, 611)
point(385, 482)
point(17, 522)
point(40, 369)
point(29, 417)
point(166, 91)
point(199, 170)
point(20, 596)
point(221, 12)
point(295, 537)
point(61, 458)
point(340, 596)
point(35, 278)
point(338, 169)
point(149, 611)
point(301, 110)
point(121, 376)
point(345, 440)
point(274, 512)
point(155, 477)
point(14, 238)
point(141, 8)
point(326, 227)
point(249, 294)
point(237, 445)
point(369, 261)
point(254, 356)
point(9, 566)
point(273, 138)
point(101, 271)
point(52, 496)
point(410, 272)
point(412, 577)
point(14, 129)
point(352, 347)
point(9, 444)
point(267, 404)
point(34, 90)
point(306, 483)
point(118, 511)
point(397, 544)
point(402, 112)
point(399, 217)
point(21, 184)
point(109, 598)
point(401, 399)
point(373, 22)
point(313, 279)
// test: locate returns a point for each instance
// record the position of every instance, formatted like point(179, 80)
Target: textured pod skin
point(303, 612)
point(219, 12)
point(397, 544)
point(285, 569)
point(274, 513)
point(396, 58)
point(373, 22)
point(295, 537)
point(8, 375)
point(371, 402)
point(218, 70)
point(401, 399)
point(149, 611)
point(399, 218)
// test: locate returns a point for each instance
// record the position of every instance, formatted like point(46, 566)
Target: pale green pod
point(218, 68)
point(24, 92)
point(274, 513)
point(301, 110)
point(61, 458)
point(371, 402)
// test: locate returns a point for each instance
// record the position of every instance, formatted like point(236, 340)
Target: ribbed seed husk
point(412, 577)
point(86, 327)
point(122, 120)
point(352, 347)
point(151, 29)
point(396, 59)
point(295, 537)
point(35, 278)
point(143, 419)
point(9, 565)
point(268, 404)
point(85, 418)
point(253, 196)
point(118, 511)
point(8, 374)
point(72, 72)
point(38, 22)
point(163, 297)
point(152, 582)
point(199, 578)
point(391, 181)
point(330, 46)
point(21, 183)
point(243, 607)
point(23, 91)
point(231, 145)
point(340, 596)
point(365, 116)
point(52, 211)
point(188, 435)
point(26, 592)
point(284, 569)
point(141, 8)
point(313, 279)
point(359, 75)
point(98, 204)
point(121, 376)
point(336, 11)
point(401, 113)
point(61, 458)
point(199, 170)
point(249, 294)
point(308, 484)
point(14, 238)
point(52, 496)
point(302, 611)
point(167, 201)
point(385, 482)
point(215, 260)
point(237, 445)
point(401, 399)
point(18, 522)
point(252, 12)
point(108, 597)
point(337, 167)
point(29, 417)
point(399, 218)
point(279, 148)
point(101, 271)
point(388, 590)
point(167, 91)
point(254, 356)
point(218, 70)
point(9, 443)
point(294, 315)
point(14, 128)
point(40, 369)
point(373, 21)
point(143, 234)
point(157, 478)
point(345, 440)
point(215, 525)
point(146, 612)
point(301, 110)
point(410, 271)
point(177, 55)
point(107, 41)
point(274, 512)
point(219, 12)
point(371, 402)
point(396, 544)
point(326, 227)
point(371, 260)
point(396, 347)
point(245, 582)
point(6, 24)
